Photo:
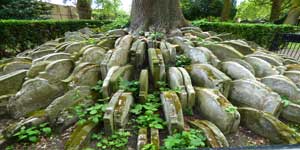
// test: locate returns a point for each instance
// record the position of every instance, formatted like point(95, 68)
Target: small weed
point(182, 61)
point(156, 36)
point(231, 109)
point(98, 88)
point(92, 113)
point(116, 141)
point(129, 86)
point(188, 111)
point(186, 139)
point(146, 113)
point(149, 147)
point(32, 134)
point(285, 100)
point(163, 86)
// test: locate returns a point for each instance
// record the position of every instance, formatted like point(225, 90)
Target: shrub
point(262, 34)
point(19, 35)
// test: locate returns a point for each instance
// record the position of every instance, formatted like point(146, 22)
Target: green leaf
point(47, 130)
point(33, 139)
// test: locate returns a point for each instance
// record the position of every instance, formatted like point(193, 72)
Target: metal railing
point(287, 44)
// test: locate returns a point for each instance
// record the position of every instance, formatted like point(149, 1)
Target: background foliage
point(19, 35)
point(23, 9)
point(262, 34)
point(197, 9)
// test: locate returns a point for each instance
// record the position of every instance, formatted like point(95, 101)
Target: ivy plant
point(149, 147)
point(116, 141)
point(129, 86)
point(98, 88)
point(92, 113)
point(146, 113)
point(31, 134)
point(186, 139)
point(163, 86)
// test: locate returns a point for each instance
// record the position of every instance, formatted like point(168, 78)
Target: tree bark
point(84, 9)
point(156, 15)
point(276, 9)
point(294, 14)
point(226, 10)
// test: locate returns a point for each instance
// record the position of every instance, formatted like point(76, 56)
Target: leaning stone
point(261, 67)
point(69, 99)
point(125, 73)
point(85, 74)
point(215, 138)
point(205, 75)
point(122, 110)
point(188, 87)
point(36, 69)
point(12, 82)
point(41, 53)
point(138, 53)
point(172, 111)
point(236, 71)
point(107, 43)
point(108, 119)
point(291, 113)
point(290, 61)
point(104, 64)
point(179, 78)
point(268, 59)
point(212, 105)
point(157, 66)
point(74, 47)
point(56, 56)
point(223, 51)
point(35, 94)
point(283, 86)
point(294, 76)
point(80, 136)
point(142, 138)
point(106, 88)
point(144, 85)
point(93, 55)
point(169, 53)
point(121, 53)
point(266, 125)
point(244, 64)
point(3, 103)
point(15, 66)
point(202, 55)
point(191, 28)
point(293, 67)
point(119, 32)
point(15, 127)
point(244, 48)
point(249, 93)
point(155, 138)
point(62, 46)
point(58, 70)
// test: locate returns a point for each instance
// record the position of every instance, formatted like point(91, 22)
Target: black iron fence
point(287, 44)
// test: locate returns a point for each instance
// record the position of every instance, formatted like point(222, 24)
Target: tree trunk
point(226, 10)
point(156, 15)
point(84, 9)
point(294, 14)
point(276, 9)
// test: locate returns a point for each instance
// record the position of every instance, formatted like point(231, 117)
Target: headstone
point(266, 125)
point(157, 66)
point(172, 111)
point(215, 138)
point(213, 106)
point(236, 71)
point(144, 85)
point(249, 93)
point(207, 76)
point(223, 51)
point(261, 67)
point(11, 83)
